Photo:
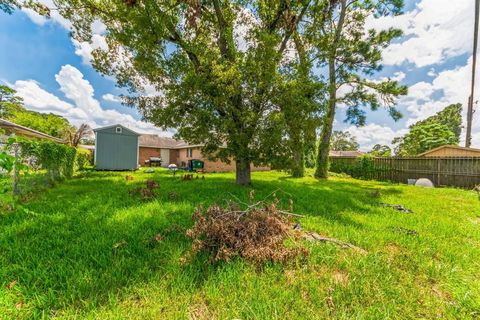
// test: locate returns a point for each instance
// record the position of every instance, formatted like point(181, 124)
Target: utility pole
point(468, 140)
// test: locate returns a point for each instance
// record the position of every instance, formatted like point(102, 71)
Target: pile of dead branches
point(257, 233)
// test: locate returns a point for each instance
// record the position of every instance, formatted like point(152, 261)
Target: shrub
point(68, 164)
point(257, 234)
point(84, 158)
point(57, 159)
point(362, 167)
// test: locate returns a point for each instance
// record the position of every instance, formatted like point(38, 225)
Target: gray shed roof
point(116, 125)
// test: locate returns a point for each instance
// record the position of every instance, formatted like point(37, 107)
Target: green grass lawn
point(86, 249)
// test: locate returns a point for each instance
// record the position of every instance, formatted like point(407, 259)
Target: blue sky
point(53, 73)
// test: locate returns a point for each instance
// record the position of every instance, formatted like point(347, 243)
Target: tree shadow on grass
point(75, 245)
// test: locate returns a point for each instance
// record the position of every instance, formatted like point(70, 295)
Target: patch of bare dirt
point(200, 311)
point(392, 250)
point(341, 278)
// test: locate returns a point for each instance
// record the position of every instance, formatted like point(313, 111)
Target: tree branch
point(222, 26)
point(290, 31)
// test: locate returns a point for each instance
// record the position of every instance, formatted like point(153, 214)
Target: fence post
point(438, 171)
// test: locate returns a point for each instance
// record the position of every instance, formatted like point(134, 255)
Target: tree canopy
point(344, 141)
point(443, 128)
point(379, 150)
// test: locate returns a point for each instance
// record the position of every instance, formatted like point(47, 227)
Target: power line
point(468, 140)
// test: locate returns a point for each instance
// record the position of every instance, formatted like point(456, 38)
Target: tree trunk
point(242, 172)
point(298, 167)
point(324, 147)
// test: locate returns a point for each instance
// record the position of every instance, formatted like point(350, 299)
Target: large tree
point(351, 55)
point(443, 128)
point(343, 141)
point(214, 86)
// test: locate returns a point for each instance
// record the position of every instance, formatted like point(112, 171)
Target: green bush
point(362, 167)
point(57, 159)
point(84, 158)
point(68, 165)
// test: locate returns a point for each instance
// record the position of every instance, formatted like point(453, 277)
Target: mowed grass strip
point(87, 249)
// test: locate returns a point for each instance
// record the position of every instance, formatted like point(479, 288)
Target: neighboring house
point(116, 148)
point(345, 154)
point(13, 128)
point(178, 152)
point(185, 152)
point(451, 151)
point(151, 145)
point(126, 150)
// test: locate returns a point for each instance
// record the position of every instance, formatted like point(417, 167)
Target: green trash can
point(195, 164)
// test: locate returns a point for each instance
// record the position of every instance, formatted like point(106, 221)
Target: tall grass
point(86, 249)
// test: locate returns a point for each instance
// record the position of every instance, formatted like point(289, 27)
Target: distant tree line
point(13, 110)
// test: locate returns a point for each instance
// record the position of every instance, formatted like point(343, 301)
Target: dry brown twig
point(312, 236)
point(258, 232)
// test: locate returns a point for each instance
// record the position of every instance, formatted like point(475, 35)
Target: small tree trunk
point(16, 189)
point(324, 147)
point(298, 167)
point(242, 172)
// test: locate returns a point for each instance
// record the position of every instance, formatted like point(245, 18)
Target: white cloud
point(425, 99)
point(431, 72)
point(35, 17)
point(371, 134)
point(55, 17)
point(110, 97)
point(398, 76)
point(84, 49)
point(448, 87)
point(84, 109)
point(37, 99)
point(434, 31)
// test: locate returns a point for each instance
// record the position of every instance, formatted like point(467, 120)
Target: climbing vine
point(57, 159)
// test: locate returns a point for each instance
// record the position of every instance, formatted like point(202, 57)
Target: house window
point(189, 152)
point(118, 130)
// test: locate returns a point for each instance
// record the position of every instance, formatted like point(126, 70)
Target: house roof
point(449, 147)
point(27, 132)
point(116, 125)
point(182, 145)
point(345, 154)
point(155, 141)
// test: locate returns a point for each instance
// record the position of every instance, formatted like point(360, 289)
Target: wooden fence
point(461, 172)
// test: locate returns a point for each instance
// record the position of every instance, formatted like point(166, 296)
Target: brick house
point(179, 152)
